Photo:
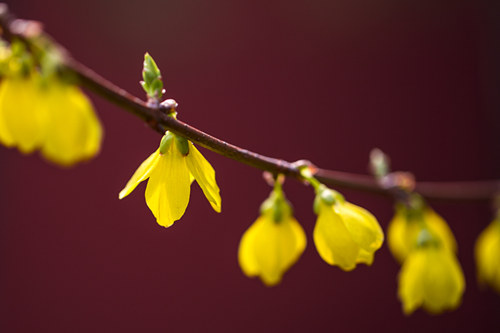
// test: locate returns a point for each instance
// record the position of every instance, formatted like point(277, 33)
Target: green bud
point(327, 196)
point(166, 142)
point(152, 84)
point(379, 163)
point(182, 145)
point(276, 205)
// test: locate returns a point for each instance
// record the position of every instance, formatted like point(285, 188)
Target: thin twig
point(159, 121)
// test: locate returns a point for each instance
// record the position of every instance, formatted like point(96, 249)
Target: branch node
point(168, 106)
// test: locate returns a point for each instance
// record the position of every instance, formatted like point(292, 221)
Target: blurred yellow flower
point(487, 254)
point(406, 224)
point(431, 277)
point(345, 234)
point(273, 243)
point(52, 116)
point(171, 170)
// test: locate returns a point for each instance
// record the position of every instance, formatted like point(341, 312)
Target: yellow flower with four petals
point(171, 170)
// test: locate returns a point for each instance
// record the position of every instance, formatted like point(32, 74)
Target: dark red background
point(322, 80)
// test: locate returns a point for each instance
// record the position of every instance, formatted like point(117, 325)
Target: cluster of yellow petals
point(431, 276)
point(170, 174)
point(345, 234)
point(48, 115)
point(487, 253)
point(273, 243)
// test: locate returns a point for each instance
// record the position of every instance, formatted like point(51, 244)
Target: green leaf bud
point(152, 84)
point(379, 163)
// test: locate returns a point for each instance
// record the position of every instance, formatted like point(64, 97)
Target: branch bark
point(160, 122)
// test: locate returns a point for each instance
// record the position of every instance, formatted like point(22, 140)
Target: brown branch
point(159, 121)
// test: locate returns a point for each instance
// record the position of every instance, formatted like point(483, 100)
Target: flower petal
point(431, 277)
point(487, 254)
point(439, 226)
point(362, 225)
point(333, 241)
point(142, 173)
point(365, 257)
point(5, 137)
point(204, 175)
point(167, 193)
point(23, 121)
point(411, 288)
point(73, 132)
point(269, 249)
point(444, 282)
point(300, 237)
point(246, 257)
point(282, 247)
point(396, 239)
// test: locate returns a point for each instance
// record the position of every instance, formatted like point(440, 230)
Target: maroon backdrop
point(322, 80)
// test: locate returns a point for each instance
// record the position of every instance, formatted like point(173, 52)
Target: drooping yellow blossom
point(406, 225)
point(171, 170)
point(273, 243)
point(51, 116)
point(487, 254)
point(431, 277)
point(345, 234)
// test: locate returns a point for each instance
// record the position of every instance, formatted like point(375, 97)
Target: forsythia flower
point(273, 243)
point(171, 170)
point(487, 254)
point(431, 277)
point(345, 234)
point(52, 116)
point(406, 224)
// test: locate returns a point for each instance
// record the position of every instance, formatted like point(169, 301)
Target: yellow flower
point(171, 170)
point(431, 277)
point(406, 224)
point(487, 254)
point(52, 116)
point(345, 234)
point(273, 243)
